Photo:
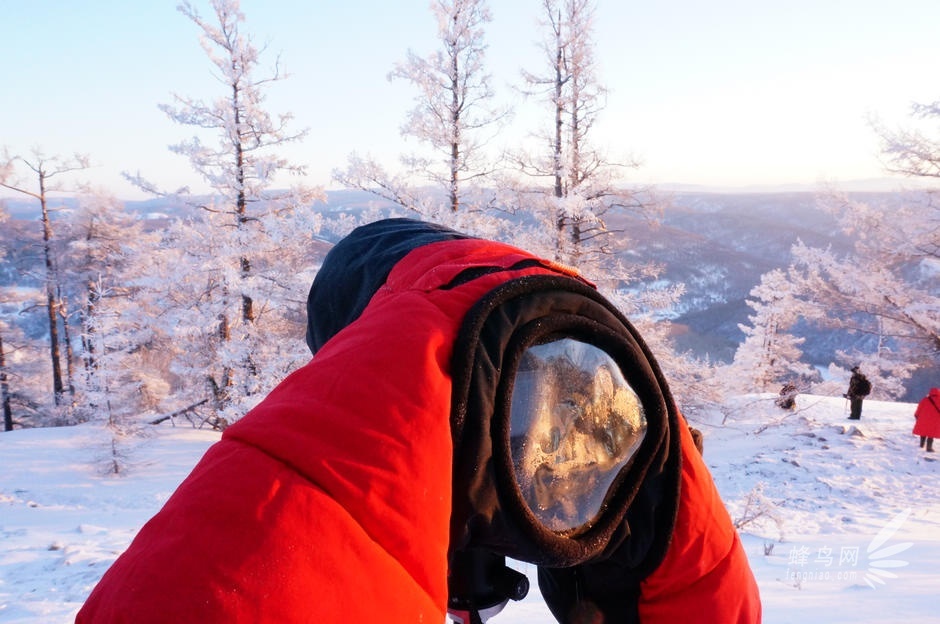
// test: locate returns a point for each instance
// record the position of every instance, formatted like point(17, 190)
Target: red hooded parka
point(331, 500)
point(928, 415)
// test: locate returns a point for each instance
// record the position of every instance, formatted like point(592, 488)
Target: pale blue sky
point(722, 92)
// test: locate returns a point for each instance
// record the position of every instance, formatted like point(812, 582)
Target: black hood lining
point(488, 512)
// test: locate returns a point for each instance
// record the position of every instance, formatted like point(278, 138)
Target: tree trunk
point(241, 201)
point(41, 167)
point(455, 136)
point(52, 305)
point(69, 354)
point(88, 329)
point(5, 391)
point(557, 148)
point(89, 348)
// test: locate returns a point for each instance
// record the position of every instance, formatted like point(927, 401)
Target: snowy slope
point(848, 526)
point(856, 537)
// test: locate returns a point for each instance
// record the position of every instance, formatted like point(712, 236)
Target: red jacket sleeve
point(705, 576)
point(331, 500)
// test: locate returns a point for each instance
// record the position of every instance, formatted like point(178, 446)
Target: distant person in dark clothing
point(859, 388)
point(928, 419)
point(787, 398)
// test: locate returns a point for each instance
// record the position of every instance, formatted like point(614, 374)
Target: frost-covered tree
point(116, 340)
point(47, 173)
point(890, 300)
point(569, 186)
point(887, 291)
point(24, 372)
point(240, 263)
point(25, 369)
point(915, 150)
point(242, 166)
point(189, 306)
point(576, 184)
point(100, 272)
point(453, 119)
point(770, 355)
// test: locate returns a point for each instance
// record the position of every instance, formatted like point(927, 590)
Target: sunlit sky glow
point(726, 92)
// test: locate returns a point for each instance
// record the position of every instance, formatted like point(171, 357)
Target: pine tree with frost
point(47, 172)
point(770, 356)
point(570, 187)
point(453, 120)
point(104, 242)
point(240, 263)
point(887, 291)
point(24, 363)
point(573, 181)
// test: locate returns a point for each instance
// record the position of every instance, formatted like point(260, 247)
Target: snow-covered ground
point(847, 526)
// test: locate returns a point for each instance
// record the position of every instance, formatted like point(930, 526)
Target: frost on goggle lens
point(575, 422)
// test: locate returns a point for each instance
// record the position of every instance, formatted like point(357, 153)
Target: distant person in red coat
point(928, 419)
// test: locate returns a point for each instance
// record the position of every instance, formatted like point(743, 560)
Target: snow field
point(839, 518)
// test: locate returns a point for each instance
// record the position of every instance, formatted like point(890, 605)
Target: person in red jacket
point(466, 402)
point(927, 415)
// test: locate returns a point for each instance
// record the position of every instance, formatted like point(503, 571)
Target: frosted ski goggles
point(575, 423)
point(560, 420)
point(558, 414)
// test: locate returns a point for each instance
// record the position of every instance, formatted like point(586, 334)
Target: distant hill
point(718, 245)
